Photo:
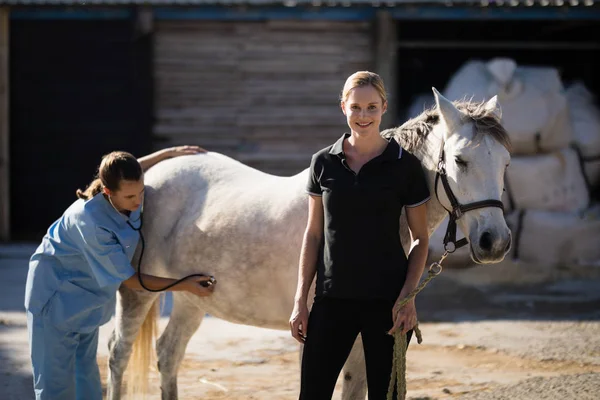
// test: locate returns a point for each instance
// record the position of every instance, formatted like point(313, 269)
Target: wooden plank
point(274, 156)
point(4, 126)
point(287, 147)
point(195, 113)
point(283, 65)
point(172, 129)
point(195, 26)
point(292, 133)
point(325, 26)
point(262, 92)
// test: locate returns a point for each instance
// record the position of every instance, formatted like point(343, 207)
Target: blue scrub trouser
point(64, 363)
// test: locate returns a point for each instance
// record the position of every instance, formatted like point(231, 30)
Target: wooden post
point(4, 152)
point(385, 63)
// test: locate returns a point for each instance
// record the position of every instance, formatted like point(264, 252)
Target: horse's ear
point(493, 107)
point(451, 116)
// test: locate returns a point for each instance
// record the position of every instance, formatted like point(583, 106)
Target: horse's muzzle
point(490, 247)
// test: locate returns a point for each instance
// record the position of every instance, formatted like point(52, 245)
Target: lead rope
point(400, 342)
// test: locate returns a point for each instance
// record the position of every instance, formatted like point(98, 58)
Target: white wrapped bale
point(585, 120)
point(532, 100)
point(555, 238)
point(592, 171)
point(548, 182)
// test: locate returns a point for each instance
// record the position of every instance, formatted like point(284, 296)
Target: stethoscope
point(143, 241)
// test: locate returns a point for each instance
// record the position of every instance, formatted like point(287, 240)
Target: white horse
point(209, 213)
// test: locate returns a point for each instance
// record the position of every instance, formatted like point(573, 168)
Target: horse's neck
point(428, 153)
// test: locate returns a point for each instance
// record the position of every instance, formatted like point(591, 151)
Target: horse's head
point(476, 152)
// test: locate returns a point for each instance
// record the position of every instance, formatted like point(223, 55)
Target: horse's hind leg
point(185, 319)
point(131, 310)
point(354, 373)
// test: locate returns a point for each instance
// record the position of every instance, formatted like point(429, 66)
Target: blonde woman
point(357, 188)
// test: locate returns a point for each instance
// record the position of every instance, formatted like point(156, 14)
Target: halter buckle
point(441, 166)
point(457, 213)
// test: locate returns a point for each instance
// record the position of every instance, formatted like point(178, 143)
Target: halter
point(450, 242)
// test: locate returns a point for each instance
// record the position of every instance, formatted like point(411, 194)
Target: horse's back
point(209, 213)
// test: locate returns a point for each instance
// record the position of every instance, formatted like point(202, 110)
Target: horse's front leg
point(185, 319)
point(354, 373)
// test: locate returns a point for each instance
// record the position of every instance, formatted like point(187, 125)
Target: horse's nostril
point(485, 242)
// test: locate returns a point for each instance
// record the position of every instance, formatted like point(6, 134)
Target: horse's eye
point(460, 162)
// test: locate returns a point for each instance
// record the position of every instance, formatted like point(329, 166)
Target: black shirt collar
point(392, 151)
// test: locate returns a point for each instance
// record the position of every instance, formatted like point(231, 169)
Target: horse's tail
point(143, 355)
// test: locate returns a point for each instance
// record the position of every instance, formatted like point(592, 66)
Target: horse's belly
point(249, 306)
point(254, 287)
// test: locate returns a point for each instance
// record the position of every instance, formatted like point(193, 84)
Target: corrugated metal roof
point(293, 3)
point(288, 3)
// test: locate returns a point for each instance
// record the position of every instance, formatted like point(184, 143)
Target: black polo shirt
point(361, 255)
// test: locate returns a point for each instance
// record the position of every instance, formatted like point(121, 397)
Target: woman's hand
point(405, 317)
point(299, 321)
point(150, 160)
point(194, 285)
point(183, 151)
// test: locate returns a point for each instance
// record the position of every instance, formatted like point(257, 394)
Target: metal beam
point(496, 12)
point(340, 10)
point(422, 44)
point(4, 127)
point(252, 13)
point(60, 13)
point(386, 61)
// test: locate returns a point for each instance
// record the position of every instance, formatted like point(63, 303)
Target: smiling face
point(363, 108)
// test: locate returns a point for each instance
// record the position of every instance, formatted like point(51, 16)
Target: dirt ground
point(511, 331)
point(267, 368)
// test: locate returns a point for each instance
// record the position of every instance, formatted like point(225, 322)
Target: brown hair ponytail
point(93, 189)
point(115, 167)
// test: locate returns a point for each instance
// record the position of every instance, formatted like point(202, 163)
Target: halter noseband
point(450, 242)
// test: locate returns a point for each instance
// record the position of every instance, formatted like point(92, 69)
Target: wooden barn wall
point(265, 93)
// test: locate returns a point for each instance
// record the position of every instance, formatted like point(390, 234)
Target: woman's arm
point(417, 225)
point(151, 159)
point(192, 285)
point(307, 268)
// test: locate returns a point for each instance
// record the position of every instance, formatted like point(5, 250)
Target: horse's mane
point(412, 134)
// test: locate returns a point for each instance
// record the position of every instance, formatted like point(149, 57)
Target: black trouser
point(333, 326)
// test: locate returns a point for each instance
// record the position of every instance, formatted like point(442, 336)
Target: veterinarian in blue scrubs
point(76, 271)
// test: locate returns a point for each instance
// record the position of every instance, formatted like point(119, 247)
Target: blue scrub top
point(77, 269)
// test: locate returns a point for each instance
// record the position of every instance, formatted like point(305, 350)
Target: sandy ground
point(511, 331)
